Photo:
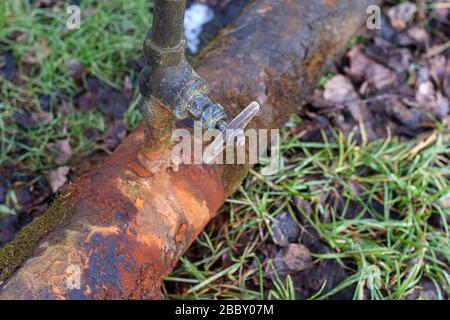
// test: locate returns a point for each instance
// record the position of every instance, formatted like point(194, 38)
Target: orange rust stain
point(144, 281)
point(180, 234)
point(313, 65)
point(139, 203)
point(202, 185)
point(195, 211)
point(329, 3)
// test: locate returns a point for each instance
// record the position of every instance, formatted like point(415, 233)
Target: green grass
point(396, 188)
point(111, 33)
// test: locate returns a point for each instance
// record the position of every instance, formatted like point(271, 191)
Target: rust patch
point(151, 240)
point(103, 231)
point(139, 170)
point(139, 203)
point(181, 233)
point(201, 183)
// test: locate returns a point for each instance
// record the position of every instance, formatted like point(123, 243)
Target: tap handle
point(232, 133)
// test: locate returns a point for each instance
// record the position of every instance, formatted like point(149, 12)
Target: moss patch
point(13, 254)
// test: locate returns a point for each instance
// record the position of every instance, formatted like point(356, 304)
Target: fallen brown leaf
point(432, 101)
point(446, 80)
point(362, 68)
point(58, 177)
point(42, 117)
point(296, 257)
point(437, 66)
point(419, 35)
point(64, 151)
point(339, 89)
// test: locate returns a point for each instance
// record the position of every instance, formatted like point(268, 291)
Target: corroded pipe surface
point(117, 231)
point(168, 22)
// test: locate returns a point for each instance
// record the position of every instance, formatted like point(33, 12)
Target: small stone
point(285, 229)
point(58, 177)
point(297, 257)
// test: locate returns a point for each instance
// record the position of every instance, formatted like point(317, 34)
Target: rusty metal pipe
point(168, 18)
point(117, 231)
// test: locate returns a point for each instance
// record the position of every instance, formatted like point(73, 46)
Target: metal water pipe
point(117, 231)
point(172, 90)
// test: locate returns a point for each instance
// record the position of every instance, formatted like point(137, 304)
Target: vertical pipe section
point(168, 20)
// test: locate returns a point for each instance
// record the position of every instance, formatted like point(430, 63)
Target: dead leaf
point(24, 119)
point(115, 134)
point(75, 68)
point(37, 54)
point(441, 12)
point(424, 290)
point(8, 67)
point(42, 117)
point(58, 177)
point(87, 100)
point(64, 151)
point(405, 115)
point(65, 108)
point(19, 36)
point(362, 68)
point(437, 66)
point(340, 90)
point(425, 93)
point(109, 101)
point(446, 81)
point(419, 35)
point(400, 15)
point(296, 257)
point(112, 103)
point(432, 101)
